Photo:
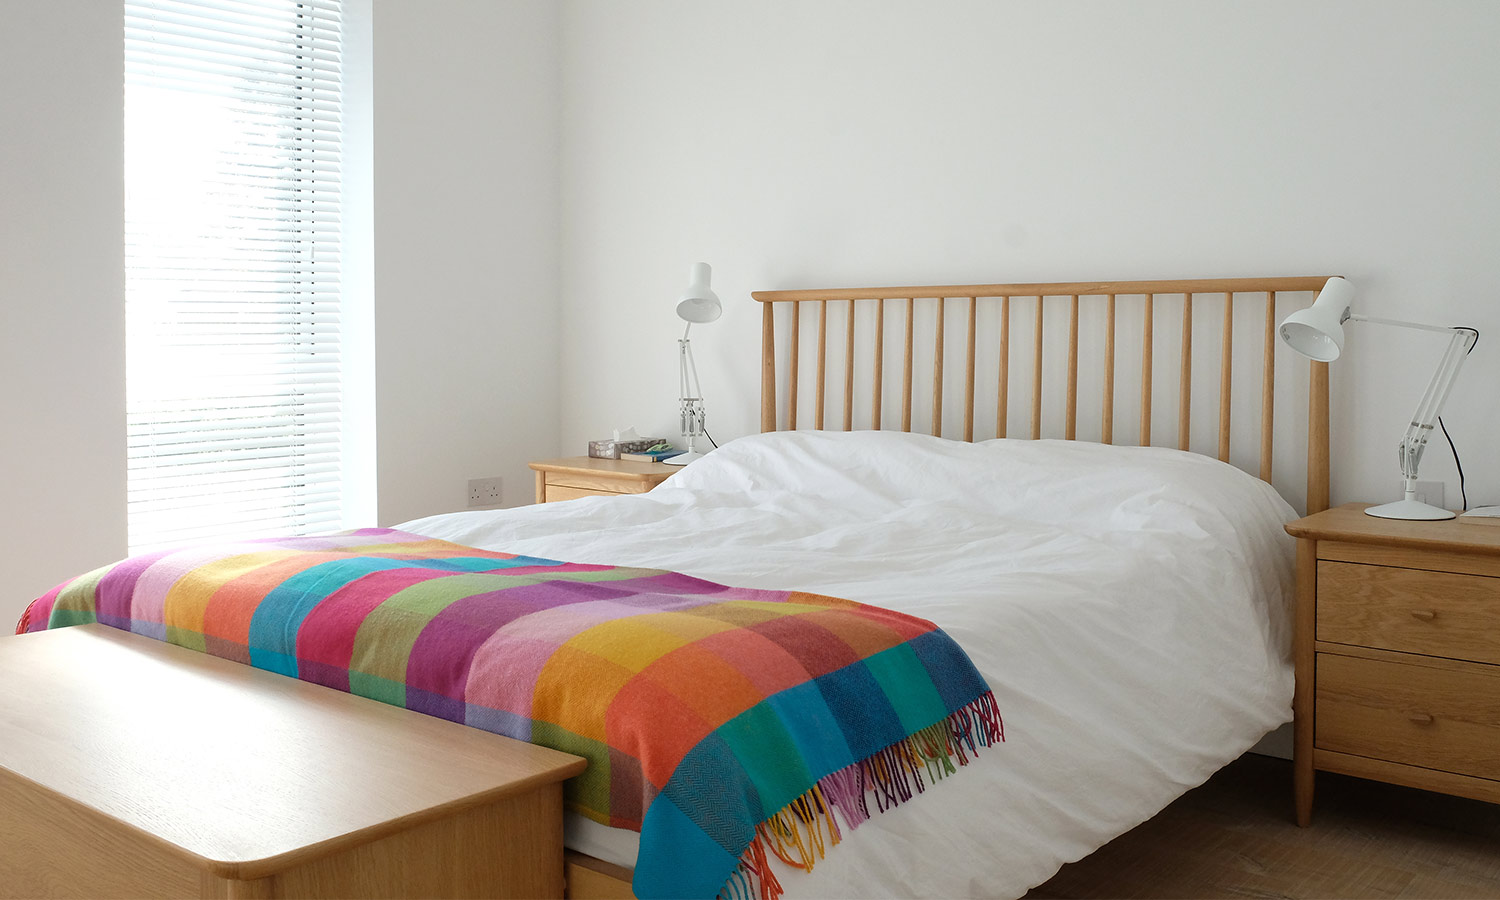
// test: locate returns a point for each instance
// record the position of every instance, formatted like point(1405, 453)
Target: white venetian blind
point(232, 133)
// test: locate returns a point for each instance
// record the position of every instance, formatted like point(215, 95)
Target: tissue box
point(613, 449)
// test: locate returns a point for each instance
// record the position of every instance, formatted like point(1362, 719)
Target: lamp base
point(683, 459)
point(1409, 509)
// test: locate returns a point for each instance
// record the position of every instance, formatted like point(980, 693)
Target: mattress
point(1129, 607)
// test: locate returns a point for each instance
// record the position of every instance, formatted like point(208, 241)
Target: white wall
point(466, 133)
point(62, 288)
point(807, 144)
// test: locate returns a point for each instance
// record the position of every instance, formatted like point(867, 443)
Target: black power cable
point(1462, 493)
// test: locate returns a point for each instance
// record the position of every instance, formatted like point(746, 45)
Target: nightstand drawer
point(1410, 610)
point(556, 492)
point(595, 484)
point(1436, 718)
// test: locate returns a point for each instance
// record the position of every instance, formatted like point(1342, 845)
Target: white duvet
point(1128, 606)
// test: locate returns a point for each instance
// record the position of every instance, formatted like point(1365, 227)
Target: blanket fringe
point(800, 833)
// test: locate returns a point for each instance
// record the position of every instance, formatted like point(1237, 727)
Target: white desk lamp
point(1317, 332)
point(698, 304)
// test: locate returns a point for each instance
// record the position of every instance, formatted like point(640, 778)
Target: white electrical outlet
point(1431, 493)
point(484, 492)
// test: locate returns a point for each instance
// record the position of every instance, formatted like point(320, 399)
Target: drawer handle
point(1426, 615)
point(1420, 719)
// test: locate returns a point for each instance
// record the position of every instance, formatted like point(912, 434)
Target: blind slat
point(217, 469)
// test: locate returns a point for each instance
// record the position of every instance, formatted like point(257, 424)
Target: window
point(234, 378)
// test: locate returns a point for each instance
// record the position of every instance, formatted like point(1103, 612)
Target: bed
point(1129, 606)
point(1117, 700)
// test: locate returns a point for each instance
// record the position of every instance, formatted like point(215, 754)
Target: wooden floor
point(1234, 837)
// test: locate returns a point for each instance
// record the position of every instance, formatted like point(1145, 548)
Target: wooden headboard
point(934, 305)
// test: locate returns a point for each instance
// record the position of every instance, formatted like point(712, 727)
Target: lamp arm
point(1431, 404)
point(689, 386)
point(684, 364)
point(1375, 320)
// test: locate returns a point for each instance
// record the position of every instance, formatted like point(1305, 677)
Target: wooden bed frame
point(592, 879)
point(782, 407)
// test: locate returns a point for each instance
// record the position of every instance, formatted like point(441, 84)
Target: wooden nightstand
point(1398, 653)
point(585, 476)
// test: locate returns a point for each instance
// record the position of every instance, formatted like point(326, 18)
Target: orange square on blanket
point(228, 612)
point(710, 686)
point(574, 690)
point(187, 601)
point(645, 714)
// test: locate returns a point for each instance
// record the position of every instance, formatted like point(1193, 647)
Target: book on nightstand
point(651, 455)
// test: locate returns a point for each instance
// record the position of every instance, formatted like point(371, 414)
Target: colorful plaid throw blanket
point(724, 724)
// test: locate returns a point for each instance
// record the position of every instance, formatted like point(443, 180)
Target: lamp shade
point(699, 304)
point(1318, 331)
